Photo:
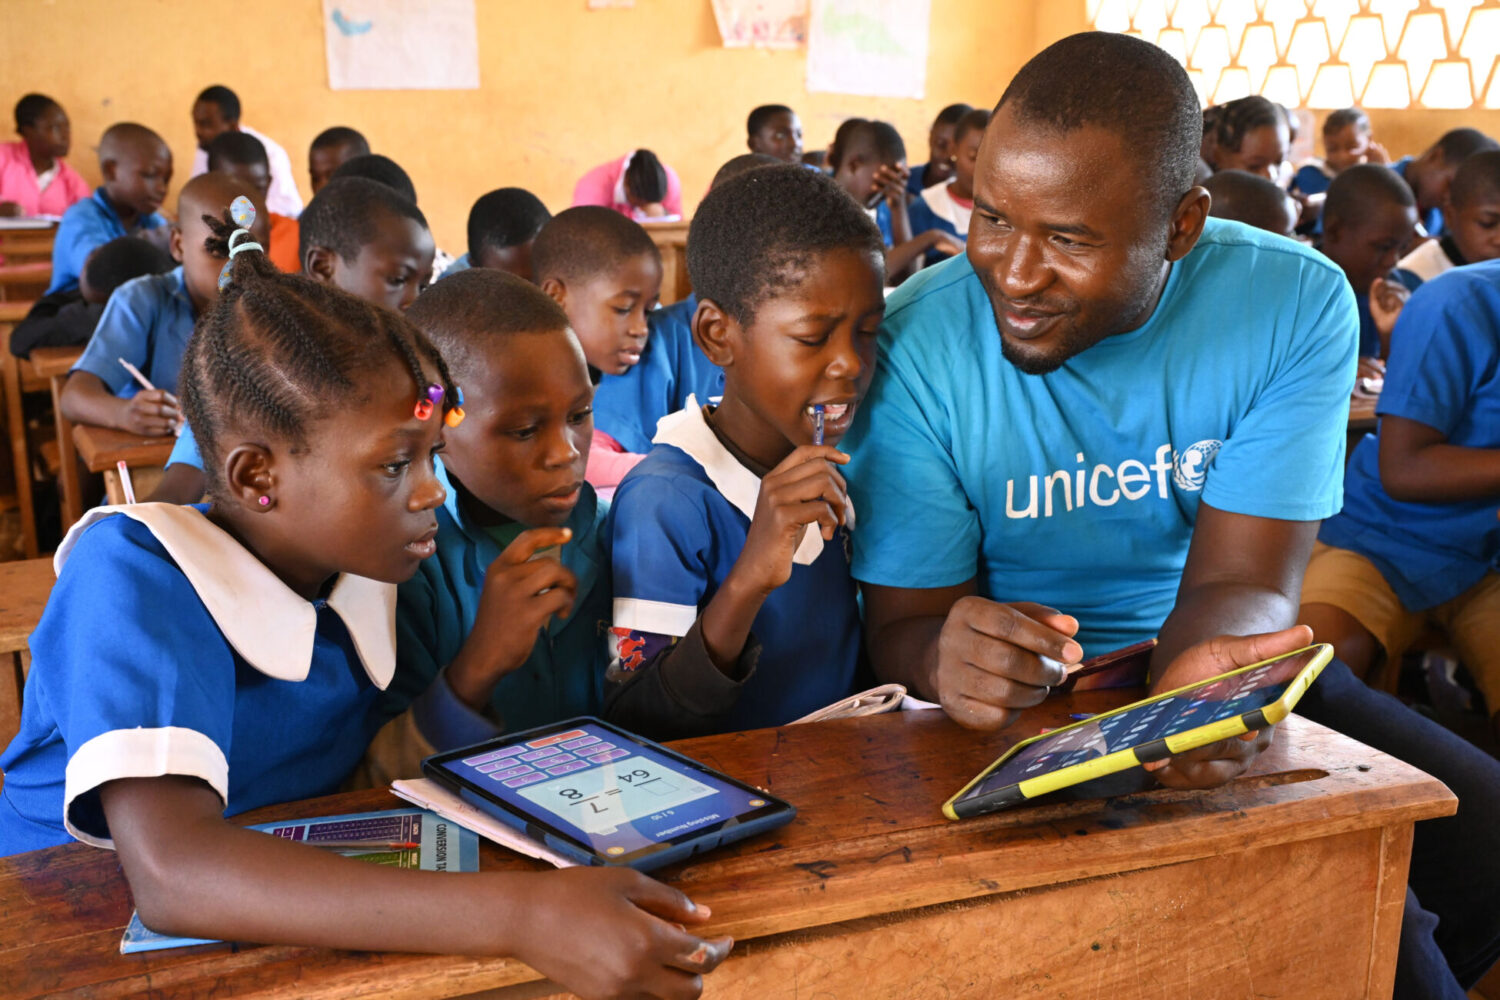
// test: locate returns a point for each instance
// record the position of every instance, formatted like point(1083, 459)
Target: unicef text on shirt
point(1106, 485)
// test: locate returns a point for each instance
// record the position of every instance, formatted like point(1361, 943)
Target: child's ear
point(715, 332)
point(320, 264)
point(556, 290)
point(107, 171)
point(1333, 228)
point(249, 478)
point(175, 246)
point(1187, 223)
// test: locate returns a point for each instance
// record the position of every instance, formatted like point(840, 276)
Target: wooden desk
point(1288, 882)
point(24, 588)
point(100, 448)
point(1362, 418)
point(671, 239)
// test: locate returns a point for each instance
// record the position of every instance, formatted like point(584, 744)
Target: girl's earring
point(264, 501)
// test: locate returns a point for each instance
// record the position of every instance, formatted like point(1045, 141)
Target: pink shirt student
point(49, 194)
point(605, 185)
point(608, 463)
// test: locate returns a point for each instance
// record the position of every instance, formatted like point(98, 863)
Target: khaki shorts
point(1350, 582)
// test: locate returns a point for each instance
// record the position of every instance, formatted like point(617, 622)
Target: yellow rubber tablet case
point(1219, 708)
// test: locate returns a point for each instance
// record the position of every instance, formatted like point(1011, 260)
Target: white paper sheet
point(766, 24)
point(401, 44)
point(874, 48)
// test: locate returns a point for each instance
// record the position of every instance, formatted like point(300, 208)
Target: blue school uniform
point(1432, 220)
point(148, 322)
point(87, 224)
point(1245, 405)
point(882, 216)
point(678, 523)
point(916, 182)
point(564, 675)
point(169, 649)
point(672, 369)
point(185, 451)
point(459, 264)
point(1444, 372)
point(1312, 178)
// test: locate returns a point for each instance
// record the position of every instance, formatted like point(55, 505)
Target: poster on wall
point(401, 44)
point(765, 24)
point(873, 48)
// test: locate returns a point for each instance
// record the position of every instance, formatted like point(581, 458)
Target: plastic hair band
point(242, 211)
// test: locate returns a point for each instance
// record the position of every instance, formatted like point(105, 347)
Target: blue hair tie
point(242, 211)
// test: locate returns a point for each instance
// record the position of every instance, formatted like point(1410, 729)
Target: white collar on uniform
point(687, 431)
point(264, 620)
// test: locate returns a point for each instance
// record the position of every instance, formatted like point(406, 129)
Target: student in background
point(1471, 218)
point(1369, 219)
point(491, 637)
point(216, 111)
point(247, 645)
point(1346, 143)
point(639, 187)
point(384, 170)
point(948, 205)
point(331, 149)
point(734, 607)
point(502, 227)
point(869, 163)
point(942, 148)
point(68, 319)
point(148, 322)
point(605, 272)
point(136, 167)
point(1249, 134)
point(775, 130)
point(34, 178)
point(1253, 200)
point(1430, 174)
point(243, 157)
point(1418, 541)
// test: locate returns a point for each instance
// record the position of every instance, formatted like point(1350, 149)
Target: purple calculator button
point(539, 754)
point(600, 758)
point(493, 765)
point(564, 768)
point(511, 772)
point(601, 748)
point(485, 758)
point(525, 779)
point(587, 741)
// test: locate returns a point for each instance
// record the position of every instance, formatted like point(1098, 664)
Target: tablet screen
point(601, 789)
point(1212, 701)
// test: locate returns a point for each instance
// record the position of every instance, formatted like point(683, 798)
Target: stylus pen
point(125, 484)
point(818, 424)
point(135, 373)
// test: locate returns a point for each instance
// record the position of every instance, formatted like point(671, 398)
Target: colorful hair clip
point(454, 417)
point(242, 213)
point(423, 409)
point(432, 398)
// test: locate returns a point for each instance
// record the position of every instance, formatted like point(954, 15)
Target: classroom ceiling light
point(1388, 87)
point(1333, 87)
point(1448, 85)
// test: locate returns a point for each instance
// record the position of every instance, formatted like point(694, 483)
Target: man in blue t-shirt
point(1132, 414)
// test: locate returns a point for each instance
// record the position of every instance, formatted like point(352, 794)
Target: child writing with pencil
point(248, 640)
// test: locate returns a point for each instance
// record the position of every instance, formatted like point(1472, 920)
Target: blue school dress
point(87, 224)
point(148, 322)
point(169, 648)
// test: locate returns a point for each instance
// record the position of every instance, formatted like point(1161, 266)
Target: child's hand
point(1375, 153)
point(151, 412)
point(9, 209)
point(1370, 368)
point(520, 595)
point(607, 933)
point(804, 489)
point(1387, 299)
point(891, 183)
point(655, 209)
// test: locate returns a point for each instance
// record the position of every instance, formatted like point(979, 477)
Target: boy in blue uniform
point(734, 608)
point(148, 321)
point(503, 225)
point(137, 167)
point(489, 638)
point(1430, 175)
point(1369, 220)
point(1418, 540)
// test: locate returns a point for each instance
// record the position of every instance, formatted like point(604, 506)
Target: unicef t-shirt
point(1079, 488)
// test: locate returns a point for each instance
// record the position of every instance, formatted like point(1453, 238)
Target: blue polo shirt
point(677, 524)
point(148, 322)
point(1079, 488)
point(1444, 372)
point(168, 649)
point(1432, 220)
point(87, 224)
point(435, 613)
point(185, 451)
point(459, 264)
point(672, 368)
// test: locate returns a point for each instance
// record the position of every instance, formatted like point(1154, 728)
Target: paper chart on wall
point(401, 44)
point(766, 24)
point(874, 48)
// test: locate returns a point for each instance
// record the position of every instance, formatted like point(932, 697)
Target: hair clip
point(426, 404)
point(455, 415)
point(242, 213)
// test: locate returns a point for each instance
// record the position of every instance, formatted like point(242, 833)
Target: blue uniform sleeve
point(131, 669)
point(185, 451)
point(77, 235)
point(1284, 459)
point(883, 222)
point(124, 331)
point(659, 537)
point(1440, 354)
point(914, 525)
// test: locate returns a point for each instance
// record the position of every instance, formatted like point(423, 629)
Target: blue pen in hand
point(818, 423)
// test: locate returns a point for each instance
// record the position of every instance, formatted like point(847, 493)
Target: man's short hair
point(1123, 84)
point(227, 100)
point(345, 216)
point(585, 241)
point(504, 218)
point(1358, 189)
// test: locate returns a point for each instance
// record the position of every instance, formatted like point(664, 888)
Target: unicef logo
point(1190, 468)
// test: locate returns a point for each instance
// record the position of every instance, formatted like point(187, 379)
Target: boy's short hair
point(458, 313)
point(123, 258)
point(737, 165)
point(1341, 119)
point(1360, 187)
point(754, 234)
point(31, 107)
point(976, 120)
point(763, 114)
point(1457, 145)
point(1478, 176)
point(1249, 198)
point(121, 135)
point(227, 100)
point(506, 217)
point(877, 139)
point(345, 214)
point(382, 170)
point(1149, 101)
point(341, 135)
point(587, 240)
point(238, 148)
point(841, 136)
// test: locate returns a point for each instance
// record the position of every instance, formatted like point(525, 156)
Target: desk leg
point(20, 449)
point(69, 482)
point(143, 479)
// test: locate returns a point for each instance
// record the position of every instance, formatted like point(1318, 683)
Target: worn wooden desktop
point(671, 239)
point(100, 448)
point(1287, 882)
point(24, 587)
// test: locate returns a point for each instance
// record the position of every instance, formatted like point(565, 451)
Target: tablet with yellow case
point(1219, 708)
